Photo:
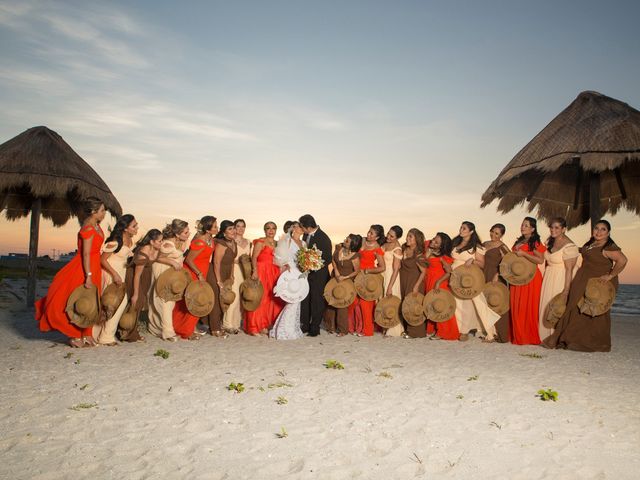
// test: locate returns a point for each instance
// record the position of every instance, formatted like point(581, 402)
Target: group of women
point(416, 265)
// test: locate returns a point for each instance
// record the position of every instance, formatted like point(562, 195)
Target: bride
point(292, 286)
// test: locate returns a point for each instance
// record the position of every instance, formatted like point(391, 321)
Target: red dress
point(447, 330)
point(267, 312)
point(183, 322)
point(525, 304)
point(50, 310)
point(368, 260)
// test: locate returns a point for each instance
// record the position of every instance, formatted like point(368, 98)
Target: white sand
point(174, 418)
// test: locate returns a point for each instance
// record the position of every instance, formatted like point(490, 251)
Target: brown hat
point(497, 295)
point(112, 297)
point(439, 305)
point(83, 306)
point(340, 294)
point(412, 310)
point(128, 319)
point(598, 297)
point(387, 313)
point(227, 295)
point(369, 286)
point(171, 284)
point(199, 298)
point(555, 310)
point(517, 270)
point(244, 261)
point(466, 281)
point(251, 292)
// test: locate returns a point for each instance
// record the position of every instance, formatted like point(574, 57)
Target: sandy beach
point(399, 409)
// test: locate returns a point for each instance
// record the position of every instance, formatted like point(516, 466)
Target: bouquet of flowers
point(309, 259)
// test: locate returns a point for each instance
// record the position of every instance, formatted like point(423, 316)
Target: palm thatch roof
point(594, 136)
point(38, 163)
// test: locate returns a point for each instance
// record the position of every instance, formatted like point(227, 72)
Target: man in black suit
point(313, 307)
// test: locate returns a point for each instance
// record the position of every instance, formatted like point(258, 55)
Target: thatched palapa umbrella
point(583, 165)
point(40, 173)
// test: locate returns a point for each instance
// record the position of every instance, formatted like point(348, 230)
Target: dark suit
point(313, 307)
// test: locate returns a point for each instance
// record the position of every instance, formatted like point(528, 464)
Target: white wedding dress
point(287, 325)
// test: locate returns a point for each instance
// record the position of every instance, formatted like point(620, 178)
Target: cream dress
point(553, 280)
point(232, 319)
point(389, 256)
point(473, 314)
point(161, 312)
point(106, 333)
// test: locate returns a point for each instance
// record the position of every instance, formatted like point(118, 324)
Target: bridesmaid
point(410, 283)
point(371, 261)
point(560, 267)
point(175, 236)
point(525, 299)
point(197, 264)
point(221, 270)
point(494, 250)
point(83, 269)
point(260, 320)
point(117, 251)
point(474, 313)
point(392, 258)
point(346, 265)
point(233, 318)
point(603, 259)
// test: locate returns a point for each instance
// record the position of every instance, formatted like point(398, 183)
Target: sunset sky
point(358, 112)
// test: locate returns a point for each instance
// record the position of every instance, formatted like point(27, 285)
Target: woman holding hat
point(197, 264)
point(473, 313)
point(602, 259)
point(232, 321)
point(410, 281)
point(116, 252)
point(83, 270)
point(494, 250)
point(175, 236)
point(371, 261)
point(560, 258)
point(346, 265)
point(392, 258)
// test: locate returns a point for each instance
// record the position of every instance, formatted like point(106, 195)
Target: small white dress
point(232, 319)
point(389, 256)
point(160, 311)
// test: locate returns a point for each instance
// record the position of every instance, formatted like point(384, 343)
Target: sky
point(359, 112)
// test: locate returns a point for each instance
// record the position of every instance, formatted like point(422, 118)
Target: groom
point(312, 308)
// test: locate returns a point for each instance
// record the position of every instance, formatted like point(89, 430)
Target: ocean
point(627, 300)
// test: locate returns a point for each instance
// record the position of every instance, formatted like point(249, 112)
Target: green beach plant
point(548, 394)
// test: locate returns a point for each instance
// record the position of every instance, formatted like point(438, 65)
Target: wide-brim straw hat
point(340, 294)
point(246, 267)
point(292, 287)
point(199, 298)
point(598, 298)
point(251, 292)
point(412, 309)
point(83, 306)
point(128, 319)
point(497, 295)
point(467, 281)
point(112, 297)
point(439, 305)
point(227, 295)
point(517, 270)
point(555, 310)
point(387, 313)
point(369, 286)
point(171, 284)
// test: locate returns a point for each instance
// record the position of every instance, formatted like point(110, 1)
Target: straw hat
point(598, 298)
point(412, 310)
point(340, 294)
point(227, 295)
point(497, 295)
point(387, 313)
point(128, 319)
point(112, 297)
point(244, 261)
point(83, 306)
point(292, 287)
point(517, 270)
point(555, 310)
point(439, 305)
point(466, 281)
point(199, 298)
point(369, 286)
point(171, 284)
point(251, 292)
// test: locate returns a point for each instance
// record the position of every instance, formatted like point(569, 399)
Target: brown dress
point(215, 318)
point(337, 319)
point(576, 331)
point(492, 259)
point(409, 274)
point(142, 304)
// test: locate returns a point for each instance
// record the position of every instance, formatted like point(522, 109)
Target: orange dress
point(269, 309)
point(368, 260)
point(50, 310)
point(447, 330)
point(525, 305)
point(184, 323)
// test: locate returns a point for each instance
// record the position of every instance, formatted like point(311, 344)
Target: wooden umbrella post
point(594, 198)
point(32, 266)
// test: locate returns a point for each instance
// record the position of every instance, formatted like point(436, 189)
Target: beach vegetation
point(385, 375)
point(531, 355)
point(161, 353)
point(471, 379)
point(236, 387)
point(83, 406)
point(282, 433)
point(548, 394)
point(281, 400)
point(334, 364)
